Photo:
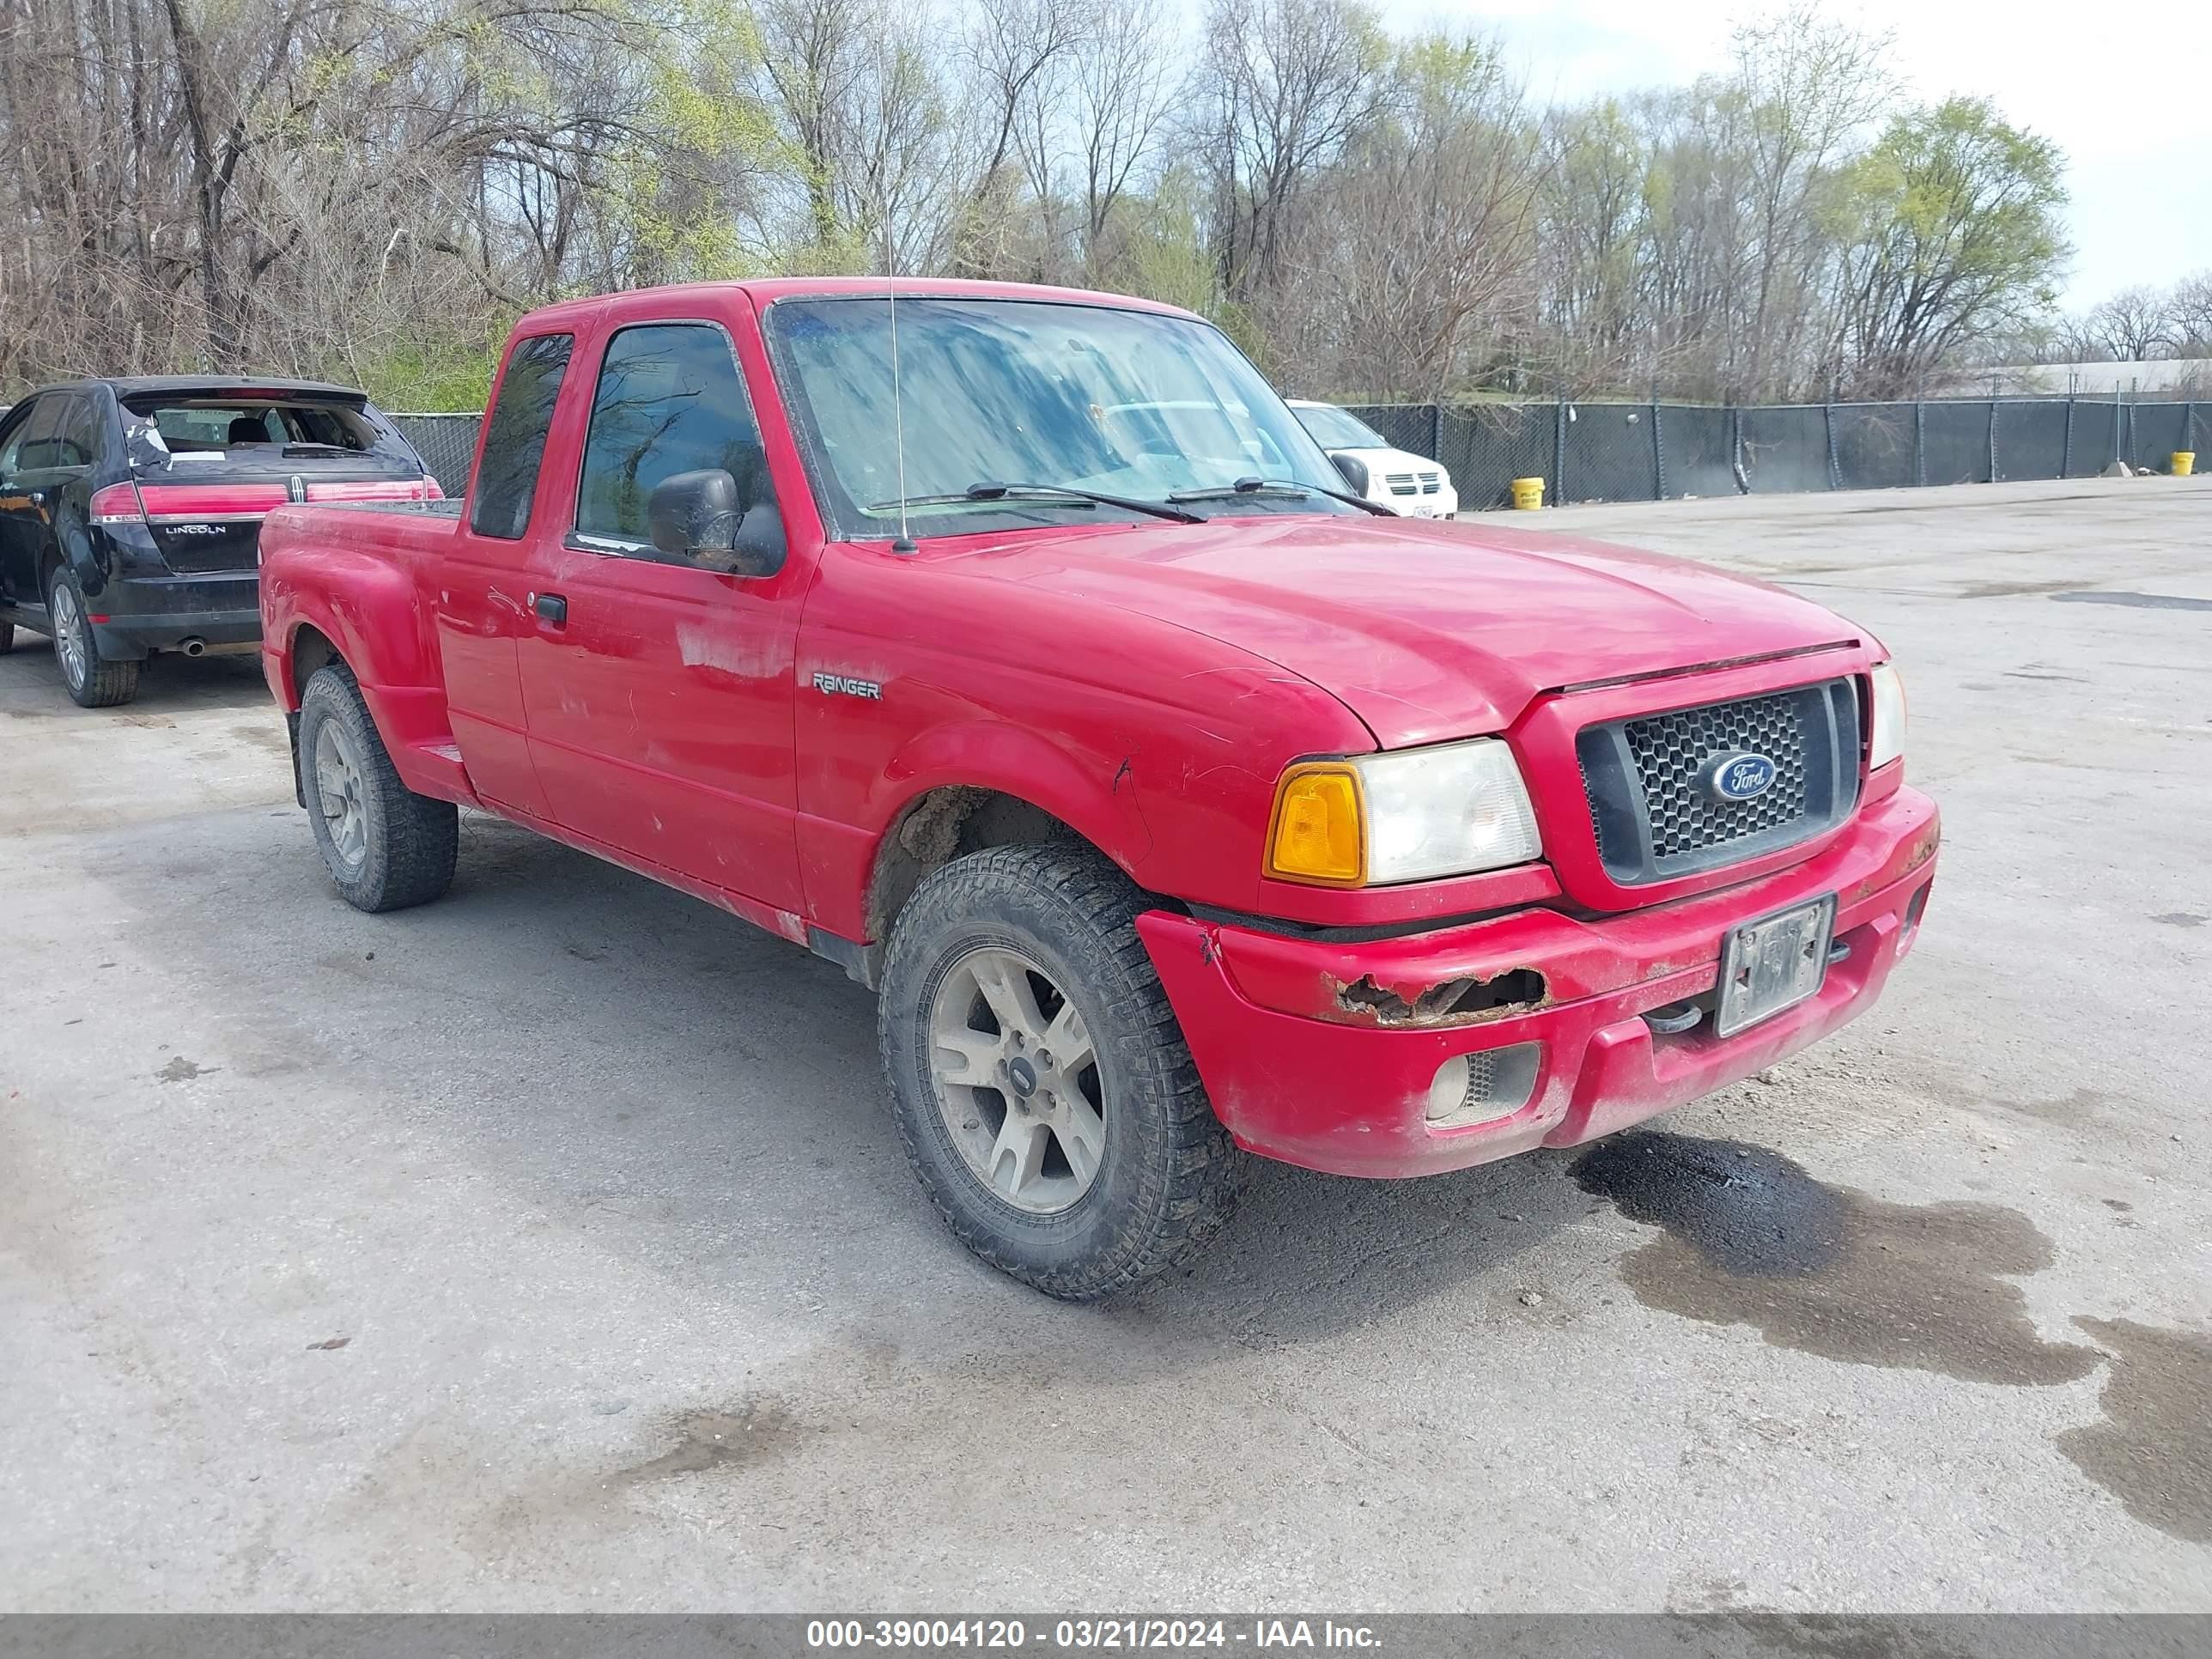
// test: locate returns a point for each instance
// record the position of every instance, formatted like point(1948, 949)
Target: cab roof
point(765, 291)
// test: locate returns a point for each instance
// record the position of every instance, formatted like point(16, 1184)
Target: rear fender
point(369, 611)
point(378, 623)
point(75, 543)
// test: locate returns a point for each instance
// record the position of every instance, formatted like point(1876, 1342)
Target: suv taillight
point(119, 504)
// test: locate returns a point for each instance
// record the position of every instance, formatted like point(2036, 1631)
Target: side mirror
point(1354, 469)
point(696, 517)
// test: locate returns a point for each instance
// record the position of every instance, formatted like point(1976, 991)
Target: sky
point(2126, 93)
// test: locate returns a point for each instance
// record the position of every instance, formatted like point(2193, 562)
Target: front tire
point(386, 847)
point(94, 681)
point(1038, 1077)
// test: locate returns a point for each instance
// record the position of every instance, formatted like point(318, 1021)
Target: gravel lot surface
point(550, 1248)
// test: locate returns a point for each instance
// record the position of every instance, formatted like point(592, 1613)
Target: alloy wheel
point(1016, 1077)
point(338, 793)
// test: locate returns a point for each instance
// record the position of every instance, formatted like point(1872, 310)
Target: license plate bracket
point(1772, 964)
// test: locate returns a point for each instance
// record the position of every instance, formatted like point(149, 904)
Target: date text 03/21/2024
point(1066, 1635)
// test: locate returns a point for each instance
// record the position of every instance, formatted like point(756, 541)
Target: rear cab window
point(515, 435)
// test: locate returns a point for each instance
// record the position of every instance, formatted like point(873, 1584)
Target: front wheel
point(94, 681)
point(1041, 1084)
point(386, 847)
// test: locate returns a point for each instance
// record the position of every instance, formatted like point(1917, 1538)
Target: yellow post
point(1528, 494)
point(2184, 463)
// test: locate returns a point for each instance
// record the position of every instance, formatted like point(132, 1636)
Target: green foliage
point(422, 376)
point(1954, 220)
point(1163, 254)
point(1970, 192)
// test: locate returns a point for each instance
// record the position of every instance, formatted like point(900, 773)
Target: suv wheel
point(1039, 1081)
point(94, 681)
point(386, 847)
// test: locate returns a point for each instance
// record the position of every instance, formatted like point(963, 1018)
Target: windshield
point(1028, 391)
point(1334, 429)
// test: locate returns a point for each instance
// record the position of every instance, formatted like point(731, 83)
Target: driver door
point(659, 695)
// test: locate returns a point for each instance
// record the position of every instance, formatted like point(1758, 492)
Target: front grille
point(1401, 484)
point(1430, 483)
point(1669, 749)
point(1654, 816)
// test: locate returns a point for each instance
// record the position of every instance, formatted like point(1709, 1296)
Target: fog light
point(1476, 1088)
point(1914, 906)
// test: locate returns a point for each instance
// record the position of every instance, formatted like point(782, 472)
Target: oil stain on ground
point(1749, 1238)
point(707, 1441)
point(2153, 1449)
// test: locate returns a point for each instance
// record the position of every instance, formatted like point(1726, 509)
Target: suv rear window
point(264, 428)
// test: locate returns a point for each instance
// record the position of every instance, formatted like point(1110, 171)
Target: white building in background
point(2182, 377)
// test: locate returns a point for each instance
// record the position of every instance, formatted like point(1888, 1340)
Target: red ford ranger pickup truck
point(1017, 650)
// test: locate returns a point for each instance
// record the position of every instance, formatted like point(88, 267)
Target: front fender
point(1090, 793)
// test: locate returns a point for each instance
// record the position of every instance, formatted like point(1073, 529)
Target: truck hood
point(1426, 631)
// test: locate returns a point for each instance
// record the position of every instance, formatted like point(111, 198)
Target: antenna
point(905, 542)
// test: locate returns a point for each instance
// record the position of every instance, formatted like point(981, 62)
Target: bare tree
point(1287, 84)
point(2190, 307)
point(1810, 87)
point(1124, 86)
point(2134, 325)
point(1418, 243)
point(374, 188)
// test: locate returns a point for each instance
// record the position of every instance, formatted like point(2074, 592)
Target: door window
point(669, 399)
point(35, 429)
point(514, 440)
point(77, 434)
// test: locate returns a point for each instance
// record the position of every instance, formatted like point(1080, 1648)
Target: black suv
point(130, 510)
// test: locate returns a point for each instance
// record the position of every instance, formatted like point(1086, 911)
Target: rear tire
point(94, 681)
point(1038, 1077)
point(386, 847)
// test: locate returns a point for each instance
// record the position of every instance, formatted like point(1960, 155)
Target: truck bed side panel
point(365, 579)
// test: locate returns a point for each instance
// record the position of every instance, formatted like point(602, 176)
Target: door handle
point(552, 607)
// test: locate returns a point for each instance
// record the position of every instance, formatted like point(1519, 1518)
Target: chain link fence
point(1612, 451)
point(447, 443)
point(1661, 452)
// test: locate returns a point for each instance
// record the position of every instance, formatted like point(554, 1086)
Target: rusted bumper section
point(1324, 1054)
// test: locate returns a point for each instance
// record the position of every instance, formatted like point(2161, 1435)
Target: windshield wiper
point(1278, 487)
point(1014, 494)
point(318, 449)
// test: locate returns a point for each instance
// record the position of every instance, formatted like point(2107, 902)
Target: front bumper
point(1318, 1052)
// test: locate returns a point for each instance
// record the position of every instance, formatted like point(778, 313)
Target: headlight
point(1418, 813)
point(1886, 731)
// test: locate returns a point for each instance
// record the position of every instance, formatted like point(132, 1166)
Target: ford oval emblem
point(1739, 777)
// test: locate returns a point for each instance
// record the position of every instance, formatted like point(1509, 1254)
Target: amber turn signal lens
point(1318, 836)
